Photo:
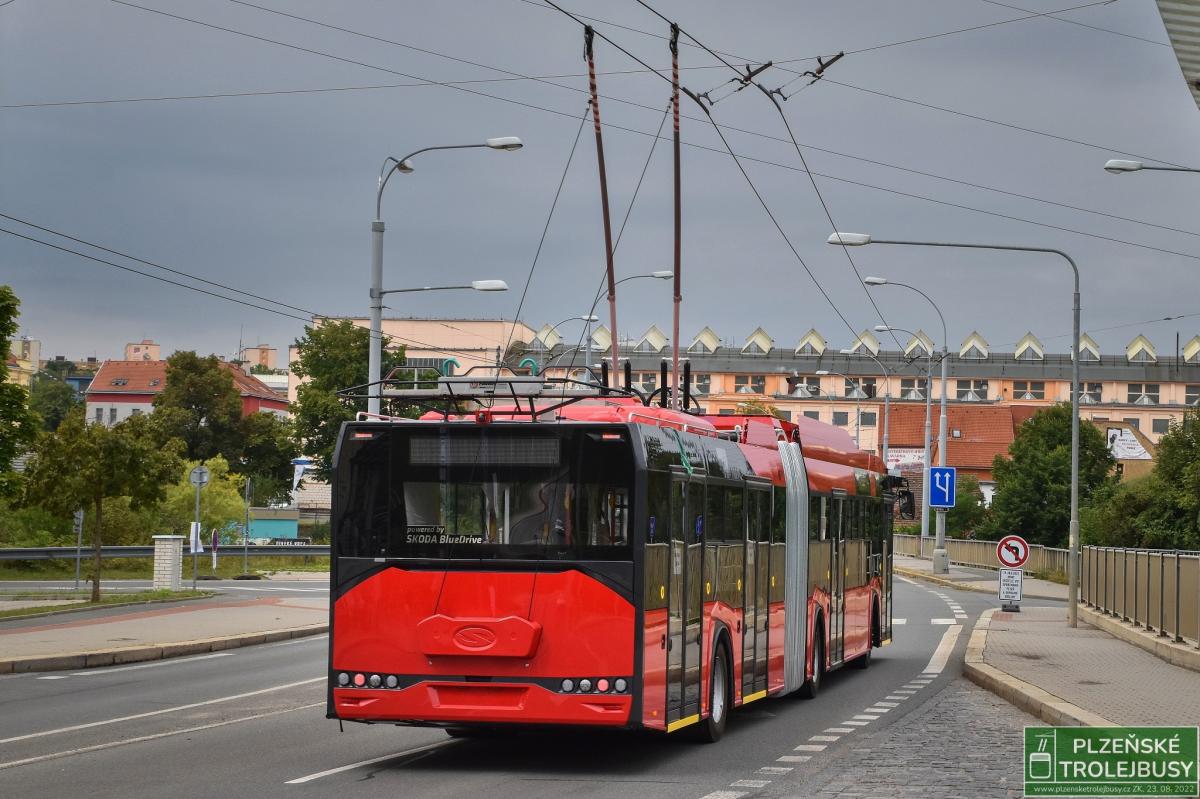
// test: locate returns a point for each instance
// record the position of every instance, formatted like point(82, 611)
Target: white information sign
point(1010, 584)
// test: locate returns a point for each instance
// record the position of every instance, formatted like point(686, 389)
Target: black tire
point(812, 687)
point(712, 728)
point(470, 732)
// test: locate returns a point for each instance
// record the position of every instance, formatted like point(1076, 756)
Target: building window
point(645, 346)
point(136, 412)
point(784, 415)
point(860, 387)
point(973, 353)
point(753, 349)
point(1192, 395)
point(1160, 425)
point(867, 419)
point(99, 416)
point(806, 387)
point(725, 412)
point(700, 347)
point(971, 390)
point(1143, 393)
point(841, 418)
point(913, 388)
point(1029, 389)
point(807, 349)
point(702, 384)
point(647, 381)
point(749, 384)
point(119, 381)
point(813, 415)
point(1134, 422)
point(1089, 393)
point(112, 415)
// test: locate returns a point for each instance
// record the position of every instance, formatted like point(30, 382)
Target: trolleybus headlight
point(620, 685)
point(343, 679)
point(360, 680)
point(602, 685)
point(568, 685)
point(585, 685)
point(392, 681)
point(375, 681)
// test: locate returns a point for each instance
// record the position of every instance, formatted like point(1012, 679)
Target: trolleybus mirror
point(908, 505)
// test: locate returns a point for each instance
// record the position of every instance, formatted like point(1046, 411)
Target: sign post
point(1012, 551)
point(78, 543)
point(198, 477)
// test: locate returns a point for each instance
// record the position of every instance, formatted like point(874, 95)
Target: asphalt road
point(251, 722)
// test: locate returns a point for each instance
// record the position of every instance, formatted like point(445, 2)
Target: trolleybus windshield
point(433, 491)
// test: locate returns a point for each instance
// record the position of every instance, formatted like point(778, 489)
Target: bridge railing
point(981, 554)
point(1155, 589)
point(227, 550)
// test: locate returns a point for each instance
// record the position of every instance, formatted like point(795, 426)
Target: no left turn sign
point(1012, 551)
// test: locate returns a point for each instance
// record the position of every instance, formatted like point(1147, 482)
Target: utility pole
point(199, 478)
point(246, 533)
point(78, 543)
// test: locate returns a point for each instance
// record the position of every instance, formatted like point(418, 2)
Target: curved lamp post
point(390, 166)
point(861, 239)
point(887, 398)
point(1117, 165)
point(857, 399)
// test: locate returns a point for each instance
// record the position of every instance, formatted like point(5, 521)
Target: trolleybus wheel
point(711, 729)
point(813, 687)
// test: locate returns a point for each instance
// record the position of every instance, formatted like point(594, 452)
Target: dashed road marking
point(775, 770)
point(942, 621)
point(886, 704)
point(878, 709)
point(794, 758)
point(724, 795)
point(54, 677)
point(749, 784)
point(857, 723)
point(826, 738)
point(895, 698)
point(371, 762)
point(899, 621)
point(905, 691)
point(906, 580)
point(810, 748)
point(865, 717)
point(840, 730)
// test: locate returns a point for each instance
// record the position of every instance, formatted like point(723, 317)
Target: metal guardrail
point(1155, 589)
point(981, 554)
point(69, 553)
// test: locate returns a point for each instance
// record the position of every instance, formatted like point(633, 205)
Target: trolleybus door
point(684, 598)
point(837, 580)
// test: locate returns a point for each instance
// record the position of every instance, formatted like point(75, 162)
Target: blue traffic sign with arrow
point(941, 486)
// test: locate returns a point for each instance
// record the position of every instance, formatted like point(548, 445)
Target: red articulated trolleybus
point(581, 557)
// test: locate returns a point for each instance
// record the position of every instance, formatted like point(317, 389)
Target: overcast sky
point(274, 194)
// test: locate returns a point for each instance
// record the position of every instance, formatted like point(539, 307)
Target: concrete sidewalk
point(1077, 676)
point(69, 642)
point(974, 579)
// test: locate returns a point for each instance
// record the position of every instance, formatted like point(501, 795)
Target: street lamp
point(928, 426)
point(941, 562)
point(1117, 165)
point(859, 239)
point(661, 274)
point(377, 295)
point(857, 391)
point(887, 398)
point(390, 166)
point(590, 318)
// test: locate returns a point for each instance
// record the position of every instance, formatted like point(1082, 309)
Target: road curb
point(1182, 655)
point(137, 654)
point(1026, 696)
point(60, 611)
point(916, 575)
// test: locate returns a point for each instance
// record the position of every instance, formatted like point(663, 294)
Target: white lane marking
point(942, 653)
point(905, 691)
point(301, 590)
point(906, 580)
point(175, 709)
point(371, 762)
point(899, 621)
point(894, 698)
point(810, 748)
point(794, 759)
point(840, 730)
point(878, 710)
point(303, 640)
point(886, 704)
point(921, 683)
point(929, 675)
point(825, 738)
point(140, 739)
point(54, 677)
point(750, 784)
point(775, 770)
point(857, 723)
point(155, 664)
point(942, 621)
point(724, 795)
point(864, 717)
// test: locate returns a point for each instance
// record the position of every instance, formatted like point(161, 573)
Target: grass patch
point(229, 564)
point(1051, 576)
point(111, 599)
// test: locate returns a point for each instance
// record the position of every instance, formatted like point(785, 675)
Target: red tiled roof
point(150, 377)
point(984, 431)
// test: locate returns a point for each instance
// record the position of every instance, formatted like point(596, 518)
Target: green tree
point(200, 405)
point(1033, 484)
point(268, 447)
point(52, 400)
point(60, 369)
point(18, 424)
point(332, 357)
point(221, 503)
point(970, 512)
point(260, 369)
point(81, 465)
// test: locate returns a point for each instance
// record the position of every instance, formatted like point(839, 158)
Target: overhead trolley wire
point(1051, 15)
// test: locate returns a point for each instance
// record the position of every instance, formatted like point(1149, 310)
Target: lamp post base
point(941, 562)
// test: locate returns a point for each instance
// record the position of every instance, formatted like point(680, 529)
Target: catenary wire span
point(537, 254)
point(1051, 16)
